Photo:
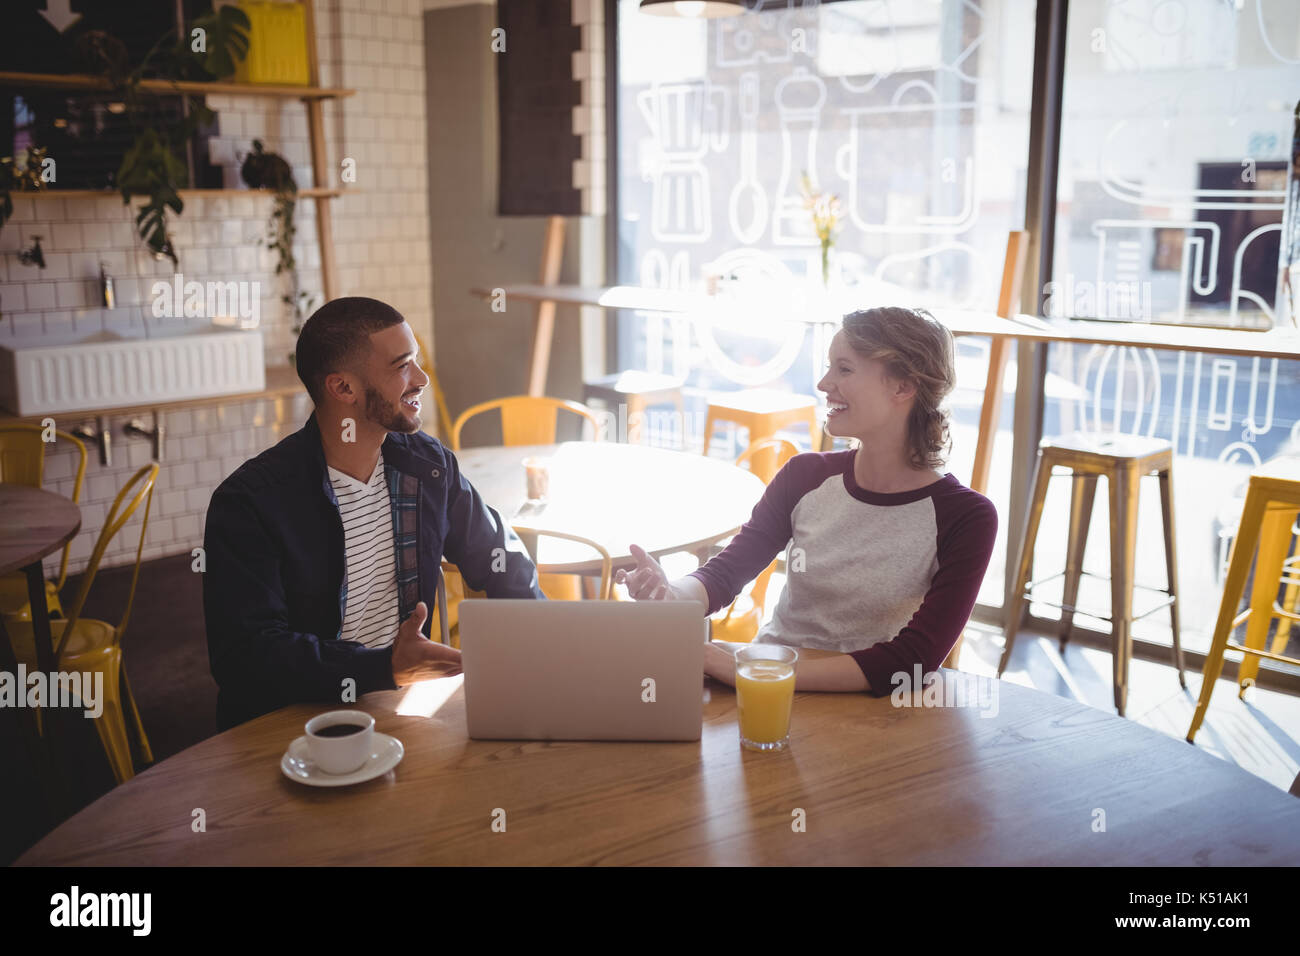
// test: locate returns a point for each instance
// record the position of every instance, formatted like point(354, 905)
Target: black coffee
point(339, 730)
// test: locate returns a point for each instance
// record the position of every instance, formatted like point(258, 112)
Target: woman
point(885, 551)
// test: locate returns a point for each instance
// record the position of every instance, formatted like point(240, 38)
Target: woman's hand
point(647, 581)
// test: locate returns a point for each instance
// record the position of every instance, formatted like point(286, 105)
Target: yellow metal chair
point(528, 420)
point(91, 646)
point(22, 462)
point(740, 621)
point(1270, 510)
point(457, 591)
point(426, 365)
point(525, 419)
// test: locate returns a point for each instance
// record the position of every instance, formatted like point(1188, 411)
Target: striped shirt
point(371, 616)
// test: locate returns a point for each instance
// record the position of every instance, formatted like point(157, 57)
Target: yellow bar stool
point(637, 390)
point(1272, 504)
point(605, 590)
point(764, 411)
point(1123, 460)
point(22, 462)
point(94, 647)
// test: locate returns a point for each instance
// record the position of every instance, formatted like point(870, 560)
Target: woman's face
point(861, 398)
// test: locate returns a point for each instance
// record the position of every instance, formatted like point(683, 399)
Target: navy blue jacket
point(273, 588)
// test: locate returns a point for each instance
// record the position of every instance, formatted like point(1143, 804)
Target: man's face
point(391, 380)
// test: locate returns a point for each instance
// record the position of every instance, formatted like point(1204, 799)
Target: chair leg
point(1274, 543)
point(1123, 547)
point(1082, 495)
point(1239, 561)
point(1016, 600)
point(146, 754)
point(1171, 568)
point(635, 418)
point(1283, 633)
point(680, 404)
point(112, 728)
point(814, 431)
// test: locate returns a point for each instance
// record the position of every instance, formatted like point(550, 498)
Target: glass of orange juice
point(765, 694)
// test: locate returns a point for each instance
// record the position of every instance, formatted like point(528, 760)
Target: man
point(322, 551)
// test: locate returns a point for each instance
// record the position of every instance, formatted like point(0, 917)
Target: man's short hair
point(337, 336)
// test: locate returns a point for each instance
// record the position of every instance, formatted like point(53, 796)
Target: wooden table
point(877, 784)
point(617, 494)
point(34, 523)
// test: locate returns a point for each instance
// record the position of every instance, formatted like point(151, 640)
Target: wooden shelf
point(312, 193)
point(281, 382)
point(84, 81)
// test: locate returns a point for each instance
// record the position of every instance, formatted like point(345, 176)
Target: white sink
point(111, 370)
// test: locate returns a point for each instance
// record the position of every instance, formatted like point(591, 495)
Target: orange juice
point(764, 695)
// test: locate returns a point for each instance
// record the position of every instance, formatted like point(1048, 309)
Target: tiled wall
point(381, 243)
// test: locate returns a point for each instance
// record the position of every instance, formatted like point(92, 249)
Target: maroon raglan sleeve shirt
point(889, 579)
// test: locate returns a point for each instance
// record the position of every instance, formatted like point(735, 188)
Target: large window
point(915, 113)
point(1176, 128)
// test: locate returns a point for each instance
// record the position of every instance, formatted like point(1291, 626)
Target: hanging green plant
point(151, 168)
point(262, 169)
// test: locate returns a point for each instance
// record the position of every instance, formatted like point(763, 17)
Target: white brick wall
point(381, 241)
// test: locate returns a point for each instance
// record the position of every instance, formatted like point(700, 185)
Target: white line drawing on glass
point(979, 268)
point(1130, 374)
point(846, 161)
point(1250, 429)
point(739, 40)
point(1140, 194)
point(687, 120)
point(1238, 293)
point(799, 100)
point(878, 16)
point(758, 304)
point(1200, 276)
point(658, 273)
point(1221, 370)
point(1268, 40)
point(748, 193)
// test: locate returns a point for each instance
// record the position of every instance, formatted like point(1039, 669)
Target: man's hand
point(416, 658)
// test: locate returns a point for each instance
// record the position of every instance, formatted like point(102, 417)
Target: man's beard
point(387, 415)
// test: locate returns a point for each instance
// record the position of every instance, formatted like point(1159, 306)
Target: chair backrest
point(140, 489)
point(765, 458)
point(22, 462)
point(606, 562)
point(525, 419)
point(426, 365)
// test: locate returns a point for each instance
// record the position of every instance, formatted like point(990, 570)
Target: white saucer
point(386, 753)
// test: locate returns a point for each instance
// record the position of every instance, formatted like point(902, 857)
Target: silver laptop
point(583, 670)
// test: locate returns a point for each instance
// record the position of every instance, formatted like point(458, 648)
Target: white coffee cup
point(344, 753)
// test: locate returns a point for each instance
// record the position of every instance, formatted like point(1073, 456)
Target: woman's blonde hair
point(914, 347)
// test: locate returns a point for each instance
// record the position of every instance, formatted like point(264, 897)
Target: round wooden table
point(34, 523)
point(616, 494)
point(1030, 781)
